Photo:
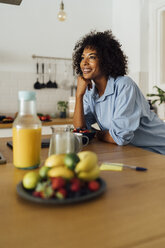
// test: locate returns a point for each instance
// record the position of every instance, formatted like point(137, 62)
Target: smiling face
point(90, 64)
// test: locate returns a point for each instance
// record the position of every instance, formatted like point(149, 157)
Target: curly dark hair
point(112, 60)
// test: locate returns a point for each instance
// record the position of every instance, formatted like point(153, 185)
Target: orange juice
point(26, 147)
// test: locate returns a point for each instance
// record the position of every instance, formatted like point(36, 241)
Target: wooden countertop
point(131, 214)
point(55, 121)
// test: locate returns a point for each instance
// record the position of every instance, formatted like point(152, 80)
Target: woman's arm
point(105, 136)
point(78, 118)
point(126, 114)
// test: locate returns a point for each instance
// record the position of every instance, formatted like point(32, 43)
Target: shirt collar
point(109, 90)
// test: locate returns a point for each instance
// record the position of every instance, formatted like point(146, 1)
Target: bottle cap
point(27, 95)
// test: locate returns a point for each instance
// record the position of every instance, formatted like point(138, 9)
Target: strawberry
point(75, 184)
point(75, 130)
point(75, 187)
point(58, 182)
point(75, 180)
point(37, 194)
point(93, 185)
point(61, 193)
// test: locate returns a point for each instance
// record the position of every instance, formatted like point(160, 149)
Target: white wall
point(33, 28)
point(130, 25)
point(126, 26)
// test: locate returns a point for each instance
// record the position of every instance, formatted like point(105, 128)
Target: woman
point(106, 96)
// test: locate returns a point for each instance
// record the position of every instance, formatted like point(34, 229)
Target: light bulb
point(61, 14)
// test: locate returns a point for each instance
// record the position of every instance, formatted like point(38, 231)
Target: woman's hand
point(82, 84)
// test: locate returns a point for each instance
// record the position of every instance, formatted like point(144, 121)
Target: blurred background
point(32, 28)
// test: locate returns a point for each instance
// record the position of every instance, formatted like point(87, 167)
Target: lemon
point(30, 180)
point(70, 160)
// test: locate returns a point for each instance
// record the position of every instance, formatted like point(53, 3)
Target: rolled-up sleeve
point(126, 116)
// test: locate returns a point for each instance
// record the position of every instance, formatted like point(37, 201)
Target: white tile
point(12, 82)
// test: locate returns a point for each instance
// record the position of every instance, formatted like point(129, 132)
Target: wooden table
point(131, 214)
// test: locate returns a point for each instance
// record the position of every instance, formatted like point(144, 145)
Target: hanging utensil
point(37, 84)
point(49, 83)
point(55, 85)
point(43, 85)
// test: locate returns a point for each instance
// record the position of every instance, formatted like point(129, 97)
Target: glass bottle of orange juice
point(26, 133)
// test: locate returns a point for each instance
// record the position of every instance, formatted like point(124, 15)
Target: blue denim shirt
point(126, 114)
